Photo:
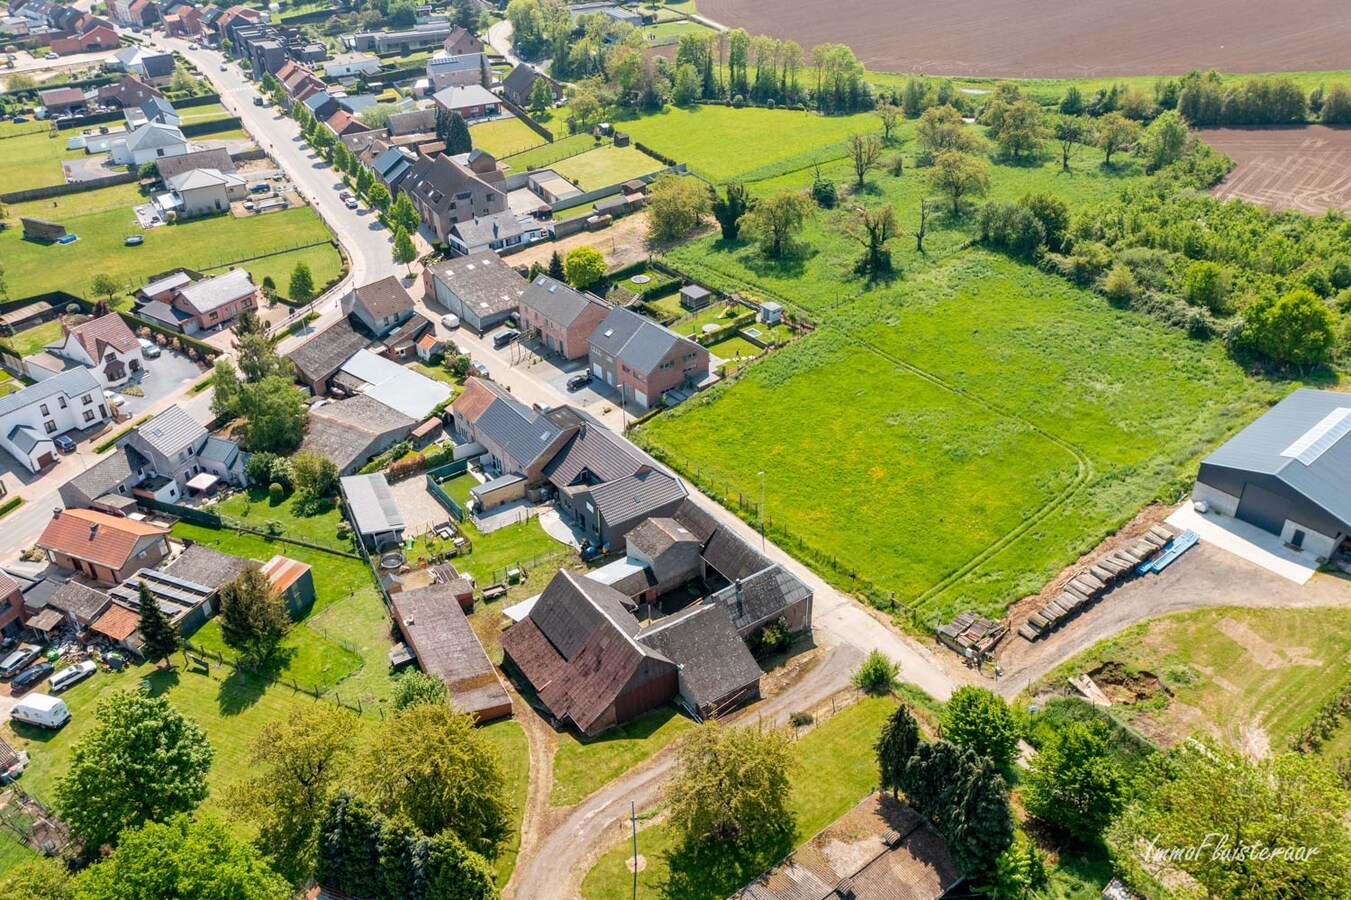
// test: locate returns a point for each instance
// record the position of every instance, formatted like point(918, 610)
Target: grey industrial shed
point(1289, 472)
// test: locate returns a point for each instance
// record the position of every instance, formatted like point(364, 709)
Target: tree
point(1053, 214)
point(941, 128)
point(895, 745)
point(1019, 871)
point(161, 639)
point(923, 224)
point(429, 763)
point(965, 798)
point(914, 96)
point(364, 179)
point(541, 95)
point(258, 357)
point(555, 268)
point(728, 209)
point(301, 289)
point(295, 765)
point(253, 620)
point(20, 81)
point(874, 229)
point(315, 475)
point(274, 413)
point(414, 687)
point(1297, 330)
point(1336, 104)
point(184, 859)
point(1206, 284)
point(141, 762)
point(1072, 133)
point(688, 86)
point(777, 218)
point(890, 115)
point(402, 214)
point(451, 128)
point(182, 79)
point(979, 719)
point(583, 267)
point(1115, 132)
point(865, 151)
point(958, 175)
point(1164, 141)
point(105, 286)
point(378, 195)
point(404, 251)
point(732, 784)
point(40, 878)
point(1220, 802)
point(1021, 130)
point(1074, 782)
point(676, 206)
point(225, 388)
point(1072, 104)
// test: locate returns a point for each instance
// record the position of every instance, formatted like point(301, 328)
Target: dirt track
point(1051, 39)
point(1307, 169)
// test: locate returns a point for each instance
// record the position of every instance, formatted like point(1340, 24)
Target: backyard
point(33, 340)
point(605, 166)
point(502, 137)
point(583, 765)
point(254, 507)
point(103, 218)
point(546, 154)
point(34, 160)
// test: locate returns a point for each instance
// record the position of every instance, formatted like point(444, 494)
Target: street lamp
point(762, 511)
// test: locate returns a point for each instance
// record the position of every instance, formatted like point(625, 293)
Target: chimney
point(93, 529)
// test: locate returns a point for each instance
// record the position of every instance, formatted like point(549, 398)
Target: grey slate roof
point(106, 474)
point(521, 80)
point(211, 293)
point(172, 431)
point(714, 662)
point(1271, 446)
point(370, 503)
point(71, 383)
point(594, 449)
point(731, 556)
point(219, 450)
point(556, 301)
point(482, 230)
point(523, 433)
point(412, 122)
point(764, 595)
point(26, 437)
point(203, 565)
point(362, 412)
point(382, 298)
point(571, 607)
point(320, 356)
point(635, 496)
point(636, 341)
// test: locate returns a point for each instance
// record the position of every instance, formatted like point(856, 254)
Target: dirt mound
point(1126, 687)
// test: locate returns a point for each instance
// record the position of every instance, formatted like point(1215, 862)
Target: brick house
point(105, 548)
point(214, 302)
point(561, 318)
point(642, 359)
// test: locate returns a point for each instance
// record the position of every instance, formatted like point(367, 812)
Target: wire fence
point(211, 663)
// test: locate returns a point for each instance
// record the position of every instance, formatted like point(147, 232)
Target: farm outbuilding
point(1288, 473)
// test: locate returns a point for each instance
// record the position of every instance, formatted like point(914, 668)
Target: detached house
point(147, 143)
point(204, 304)
point(104, 345)
point(472, 101)
point(520, 84)
point(381, 306)
point(644, 360)
point(445, 192)
point(172, 452)
point(30, 418)
point(460, 41)
point(105, 548)
point(561, 318)
point(445, 70)
point(199, 192)
point(501, 233)
point(130, 92)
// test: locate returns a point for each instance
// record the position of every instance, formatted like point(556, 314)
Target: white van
point(42, 710)
point(68, 676)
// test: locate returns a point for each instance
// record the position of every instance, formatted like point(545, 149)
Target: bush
point(800, 719)
point(824, 192)
point(276, 493)
point(771, 639)
point(1014, 228)
point(877, 674)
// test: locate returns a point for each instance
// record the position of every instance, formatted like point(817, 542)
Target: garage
point(1288, 473)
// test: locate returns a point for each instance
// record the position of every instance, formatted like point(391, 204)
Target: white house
point(148, 143)
point(349, 65)
point(501, 232)
point(154, 109)
point(199, 192)
point(31, 418)
point(105, 345)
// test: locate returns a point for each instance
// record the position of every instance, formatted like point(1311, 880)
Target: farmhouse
point(1288, 473)
point(434, 626)
point(374, 513)
point(481, 289)
point(559, 317)
point(105, 548)
point(643, 359)
point(104, 345)
point(30, 418)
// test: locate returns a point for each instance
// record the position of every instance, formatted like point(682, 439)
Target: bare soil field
point(1307, 169)
point(1052, 39)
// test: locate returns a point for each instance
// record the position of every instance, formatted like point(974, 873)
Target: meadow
point(33, 159)
point(503, 137)
point(103, 218)
point(605, 166)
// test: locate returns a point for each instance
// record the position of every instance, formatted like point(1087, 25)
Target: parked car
point(258, 101)
point(351, 202)
point(42, 710)
point(115, 399)
point(259, 187)
point(64, 443)
point(505, 337)
point(478, 368)
point(52, 56)
point(19, 120)
point(222, 67)
point(579, 381)
point(450, 320)
point(68, 676)
point(149, 349)
point(344, 194)
point(12, 664)
point(134, 240)
point(31, 676)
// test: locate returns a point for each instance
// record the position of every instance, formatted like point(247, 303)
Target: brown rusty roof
point(434, 626)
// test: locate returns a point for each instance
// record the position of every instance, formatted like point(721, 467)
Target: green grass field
point(34, 159)
point(546, 154)
point(663, 33)
point(836, 770)
point(103, 218)
point(509, 738)
point(33, 340)
point(584, 765)
point(503, 548)
point(605, 166)
point(503, 137)
point(254, 508)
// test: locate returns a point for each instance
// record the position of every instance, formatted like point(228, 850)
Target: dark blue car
point(31, 676)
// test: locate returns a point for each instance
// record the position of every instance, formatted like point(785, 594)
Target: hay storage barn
point(1289, 472)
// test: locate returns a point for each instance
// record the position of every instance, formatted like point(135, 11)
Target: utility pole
point(633, 821)
point(762, 511)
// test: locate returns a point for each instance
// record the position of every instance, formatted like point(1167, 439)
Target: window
point(689, 356)
point(61, 401)
point(87, 399)
point(110, 356)
point(45, 411)
point(89, 415)
point(668, 364)
point(50, 426)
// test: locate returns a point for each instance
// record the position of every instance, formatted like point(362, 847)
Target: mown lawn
point(606, 166)
point(33, 340)
point(583, 765)
point(509, 738)
point(547, 154)
point(254, 508)
point(503, 137)
point(499, 550)
point(103, 218)
point(1236, 673)
point(33, 160)
point(836, 769)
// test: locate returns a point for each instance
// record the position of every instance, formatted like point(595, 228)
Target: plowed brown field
point(1308, 169)
point(1058, 39)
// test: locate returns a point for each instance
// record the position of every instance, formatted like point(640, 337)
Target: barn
point(1288, 473)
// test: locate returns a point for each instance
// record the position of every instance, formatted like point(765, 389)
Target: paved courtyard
point(161, 378)
point(420, 509)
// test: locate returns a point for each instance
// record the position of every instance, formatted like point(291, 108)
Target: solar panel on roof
point(1321, 437)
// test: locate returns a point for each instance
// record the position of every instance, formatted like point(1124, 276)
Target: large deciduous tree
point(583, 267)
point(874, 229)
point(142, 761)
point(777, 218)
point(1116, 133)
point(733, 784)
point(1296, 330)
point(728, 209)
point(1074, 783)
point(253, 619)
point(677, 205)
point(958, 175)
point(941, 128)
point(980, 720)
point(865, 152)
point(274, 412)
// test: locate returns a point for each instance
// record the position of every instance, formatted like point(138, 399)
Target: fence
point(212, 520)
point(434, 479)
point(318, 693)
point(530, 123)
point(197, 129)
point(499, 576)
point(74, 187)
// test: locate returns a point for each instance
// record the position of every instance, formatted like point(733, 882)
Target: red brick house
point(97, 37)
point(642, 359)
point(205, 304)
point(106, 548)
point(559, 317)
point(11, 605)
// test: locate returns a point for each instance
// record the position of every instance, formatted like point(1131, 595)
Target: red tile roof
point(105, 331)
point(95, 536)
point(117, 622)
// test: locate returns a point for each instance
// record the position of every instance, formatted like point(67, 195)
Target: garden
point(605, 166)
point(503, 137)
